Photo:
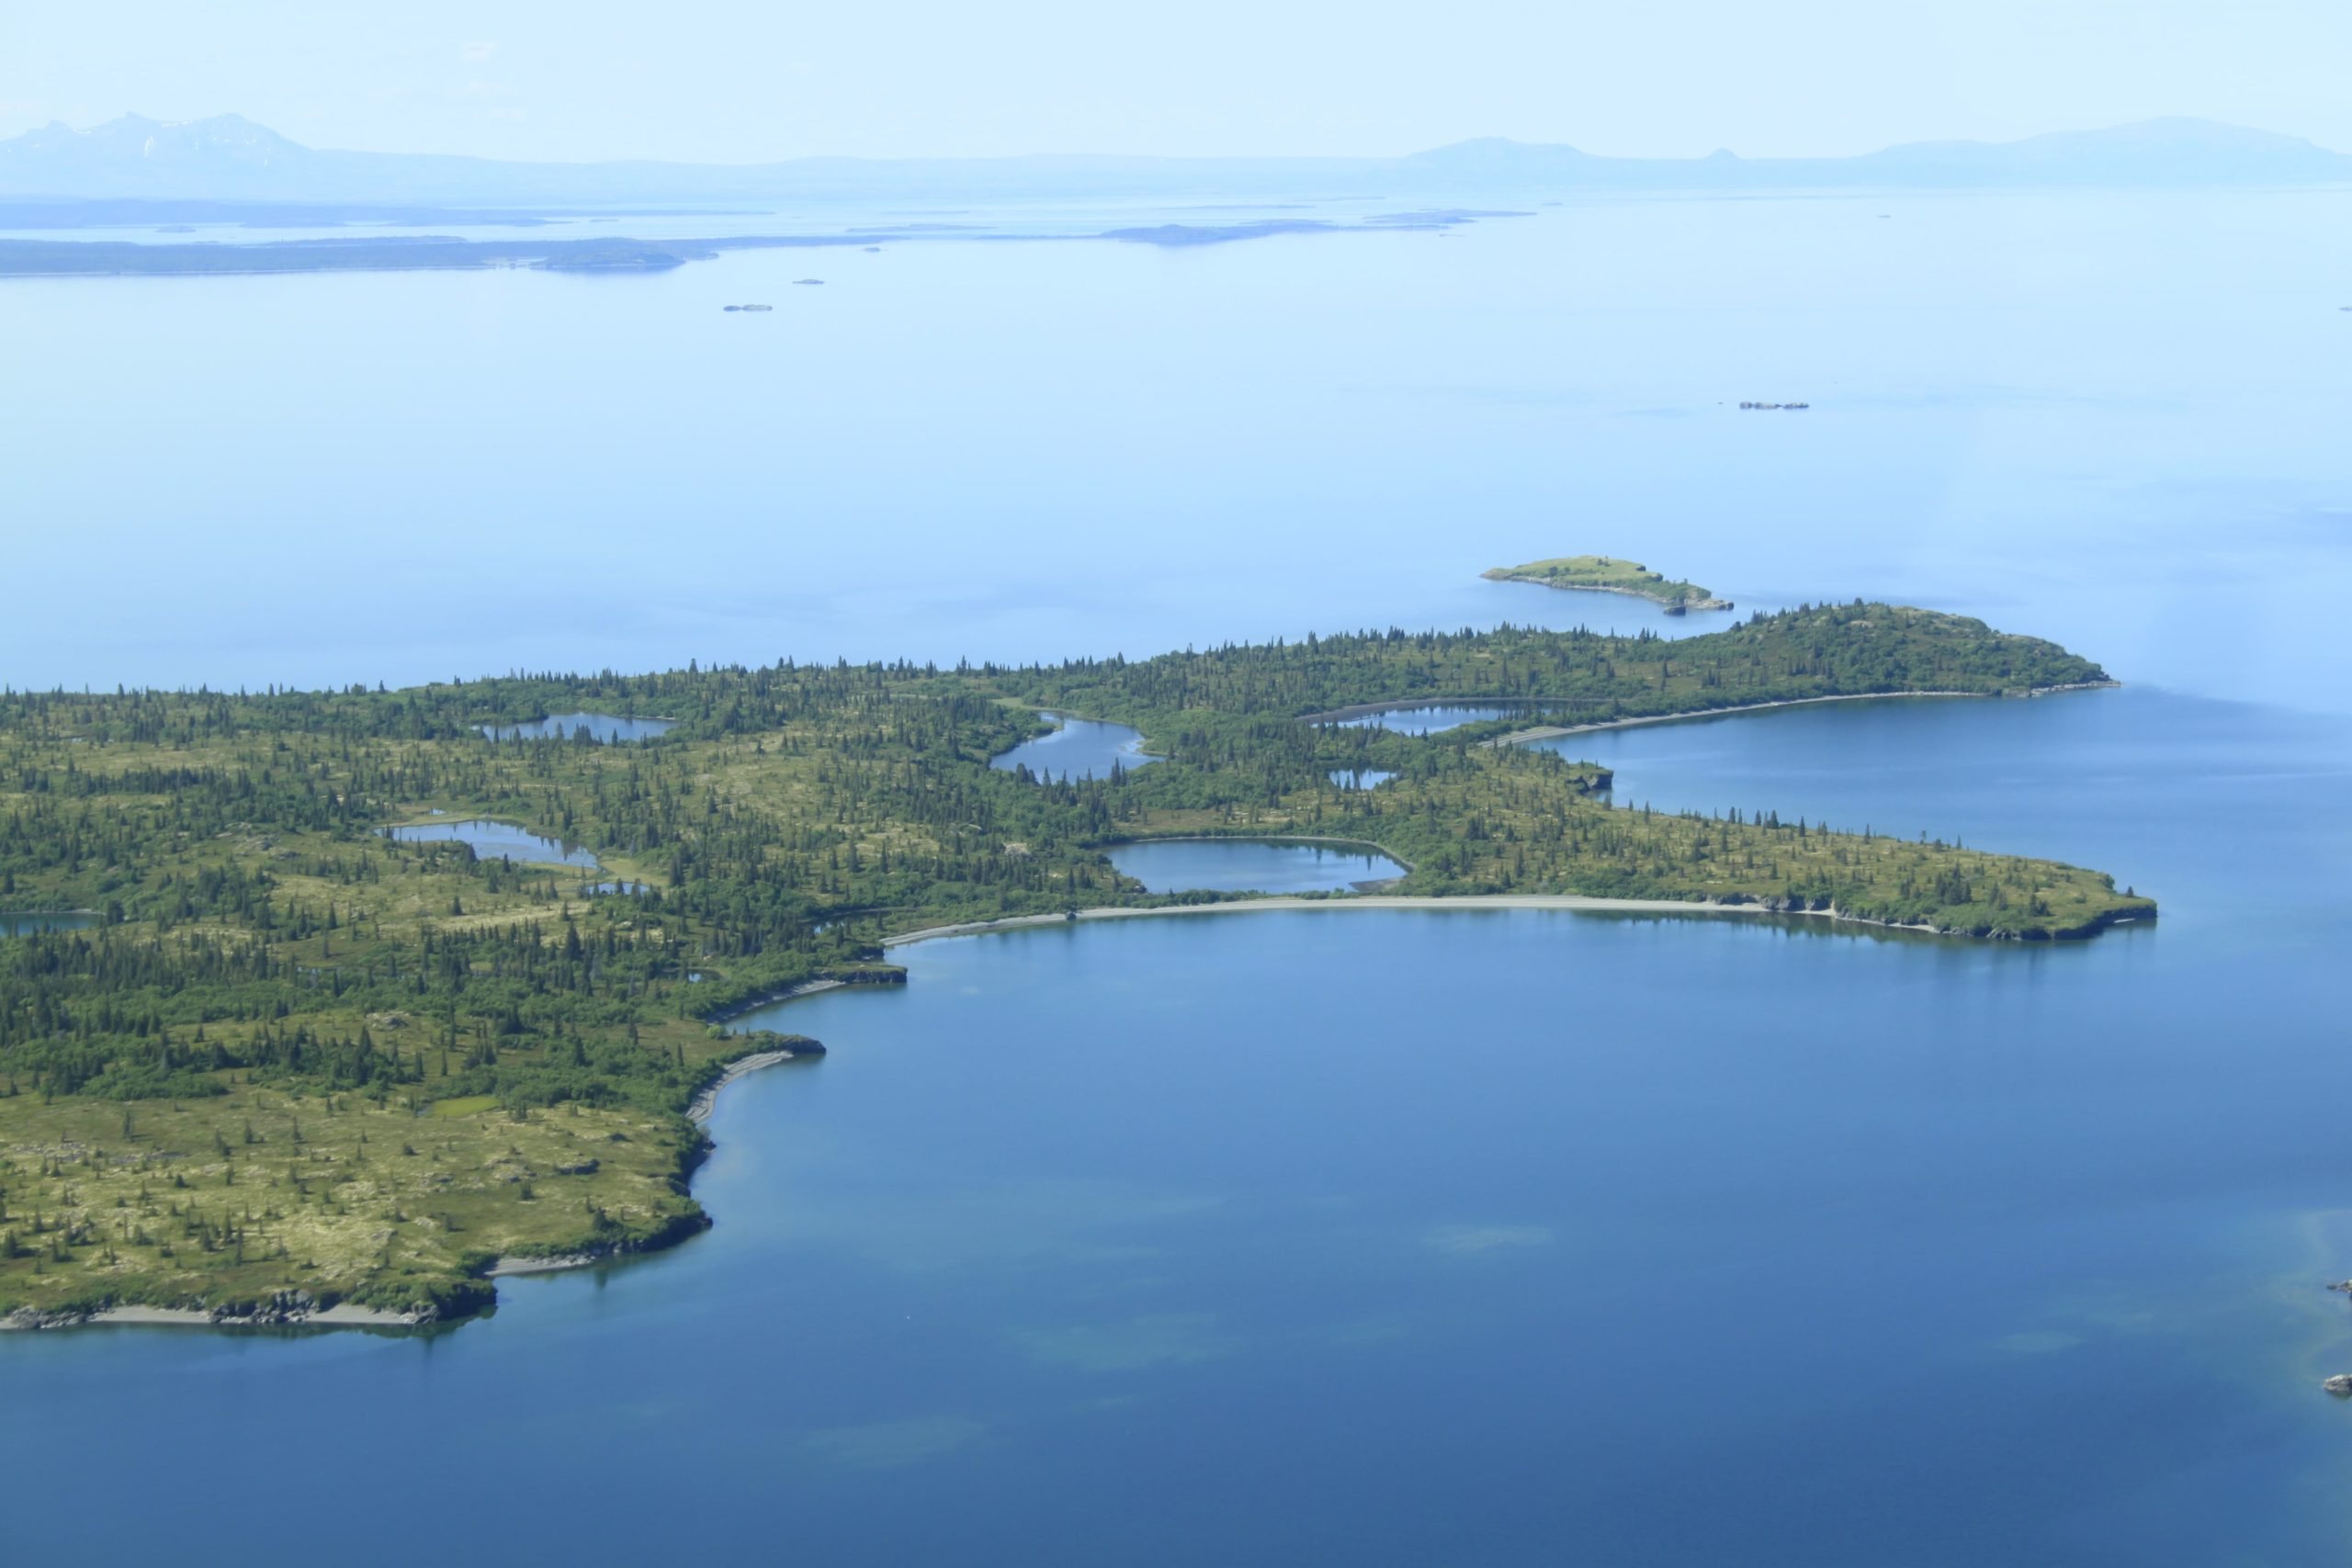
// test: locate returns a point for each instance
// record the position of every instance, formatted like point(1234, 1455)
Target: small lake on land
point(1431, 719)
point(490, 841)
point(25, 925)
point(1077, 748)
point(1248, 866)
point(603, 728)
point(1360, 778)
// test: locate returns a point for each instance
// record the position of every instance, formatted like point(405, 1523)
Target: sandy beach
point(1360, 902)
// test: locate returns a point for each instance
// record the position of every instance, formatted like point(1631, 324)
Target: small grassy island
point(1607, 574)
point(290, 1062)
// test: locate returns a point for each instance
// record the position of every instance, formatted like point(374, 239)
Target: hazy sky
point(704, 80)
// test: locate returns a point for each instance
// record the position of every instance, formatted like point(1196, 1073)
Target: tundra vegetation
point(291, 1052)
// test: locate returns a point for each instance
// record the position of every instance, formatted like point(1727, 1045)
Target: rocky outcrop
point(2339, 1385)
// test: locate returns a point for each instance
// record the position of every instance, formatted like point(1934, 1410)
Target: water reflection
point(493, 840)
point(1250, 865)
point(1077, 748)
point(605, 728)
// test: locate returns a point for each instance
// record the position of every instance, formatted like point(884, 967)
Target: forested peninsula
point(289, 1060)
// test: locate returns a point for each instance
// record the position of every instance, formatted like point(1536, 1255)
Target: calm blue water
point(1429, 720)
point(24, 925)
point(2112, 419)
point(491, 839)
point(603, 728)
point(1076, 749)
point(1230, 865)
point(1345, 1235)
point(1360, 778)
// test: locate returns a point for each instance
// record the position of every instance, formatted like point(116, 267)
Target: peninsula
point(284, 1065)
point(1607, 574)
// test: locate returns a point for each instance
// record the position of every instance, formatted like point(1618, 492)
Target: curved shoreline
point(349, 1315)
point(1569, 901)
point(346, 1316)
point(1554, 731)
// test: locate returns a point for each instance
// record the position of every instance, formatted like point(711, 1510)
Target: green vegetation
point(1606, 574)
point(292, 1053)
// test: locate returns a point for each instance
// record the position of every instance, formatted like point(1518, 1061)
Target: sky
point(704, 81)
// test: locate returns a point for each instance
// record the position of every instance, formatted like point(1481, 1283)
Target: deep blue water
point(1342, 1236)
point(603, 728)
point(1239, 865)
point(1076, 749)
point(491, 840)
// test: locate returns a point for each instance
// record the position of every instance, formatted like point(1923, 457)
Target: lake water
point(1360, 778)
point(1345, 1235)
point(25, 924)
point(1429, 720)
point(603, 728)
point(1076, 749)
point(2112, 418)
point(493, 840)
point(1241, 865)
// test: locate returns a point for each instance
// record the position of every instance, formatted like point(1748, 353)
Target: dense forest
point(283, 1049)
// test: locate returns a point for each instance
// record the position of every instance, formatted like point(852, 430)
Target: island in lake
point(1609, 574)
point(381, 995)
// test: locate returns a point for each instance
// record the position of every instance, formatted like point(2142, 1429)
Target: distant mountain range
point(229, 158)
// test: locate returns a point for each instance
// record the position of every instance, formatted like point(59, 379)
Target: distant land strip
point(603, 253)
